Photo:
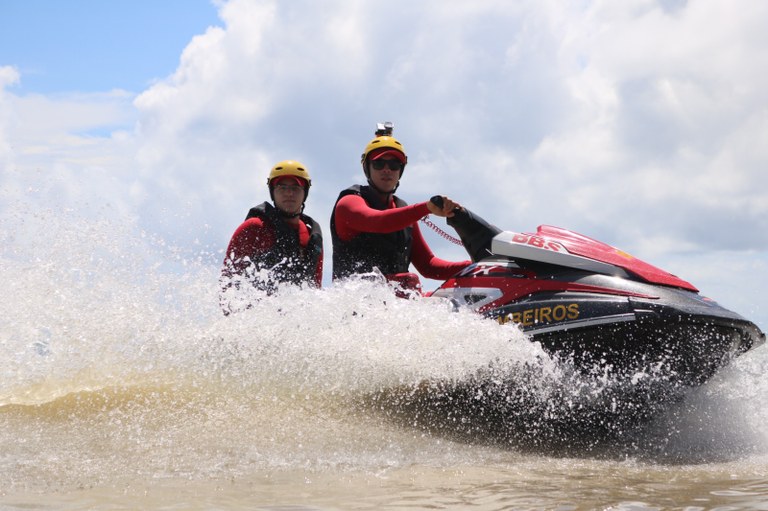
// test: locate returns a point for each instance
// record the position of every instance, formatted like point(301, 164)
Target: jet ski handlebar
point(437, 200)
point(476, 234)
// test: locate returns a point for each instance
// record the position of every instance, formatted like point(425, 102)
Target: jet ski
point(601, 309)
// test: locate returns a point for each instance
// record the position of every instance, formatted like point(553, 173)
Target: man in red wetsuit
point(371, 228)
point(275, 244)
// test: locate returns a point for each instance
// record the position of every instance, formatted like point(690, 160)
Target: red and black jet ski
point(591, 303)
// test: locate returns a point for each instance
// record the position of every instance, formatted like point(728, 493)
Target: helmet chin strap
point(285, 214)
point(383, 192)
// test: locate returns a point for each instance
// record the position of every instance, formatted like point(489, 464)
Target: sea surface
point(122, 386)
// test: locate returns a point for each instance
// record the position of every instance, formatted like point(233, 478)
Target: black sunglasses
point(392, 164)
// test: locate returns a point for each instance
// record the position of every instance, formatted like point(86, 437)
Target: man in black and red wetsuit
point(371, 228)
point(275, 244)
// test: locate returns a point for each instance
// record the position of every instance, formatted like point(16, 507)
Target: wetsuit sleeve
point(354, 216)
point(427, 264)
point(251, 238)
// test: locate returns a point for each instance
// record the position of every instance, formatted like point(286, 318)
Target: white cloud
point(8, 76)
point(641, 123)
point(65, 152)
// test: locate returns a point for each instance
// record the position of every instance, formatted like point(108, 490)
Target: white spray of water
point(115, 350)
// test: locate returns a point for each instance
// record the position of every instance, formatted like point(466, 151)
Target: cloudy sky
point(643, 123)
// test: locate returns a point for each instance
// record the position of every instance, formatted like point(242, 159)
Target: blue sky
point(90, 45)
point(641, 123)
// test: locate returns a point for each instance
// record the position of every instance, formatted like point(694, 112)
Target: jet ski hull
point(632, 337)
point(608, 325)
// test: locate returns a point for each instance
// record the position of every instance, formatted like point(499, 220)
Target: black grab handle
point(476, 234)
point(437, 200)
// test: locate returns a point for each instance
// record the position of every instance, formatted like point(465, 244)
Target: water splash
point(119, 364)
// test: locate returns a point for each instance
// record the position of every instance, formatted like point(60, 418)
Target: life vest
point(389, 252)
point(288, 261)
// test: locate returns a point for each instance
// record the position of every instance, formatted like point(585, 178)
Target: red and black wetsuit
point(368, 234)
point(265, 241)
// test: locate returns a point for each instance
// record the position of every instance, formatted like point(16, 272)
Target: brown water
point(123, 387)
point(519, 485)
point(411, 473)
point(227, 438)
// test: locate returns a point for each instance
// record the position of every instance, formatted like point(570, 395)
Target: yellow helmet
point(289, 168)
point(384, 141)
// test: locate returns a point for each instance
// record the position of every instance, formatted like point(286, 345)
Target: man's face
point(289, 196)
point(385, 173)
